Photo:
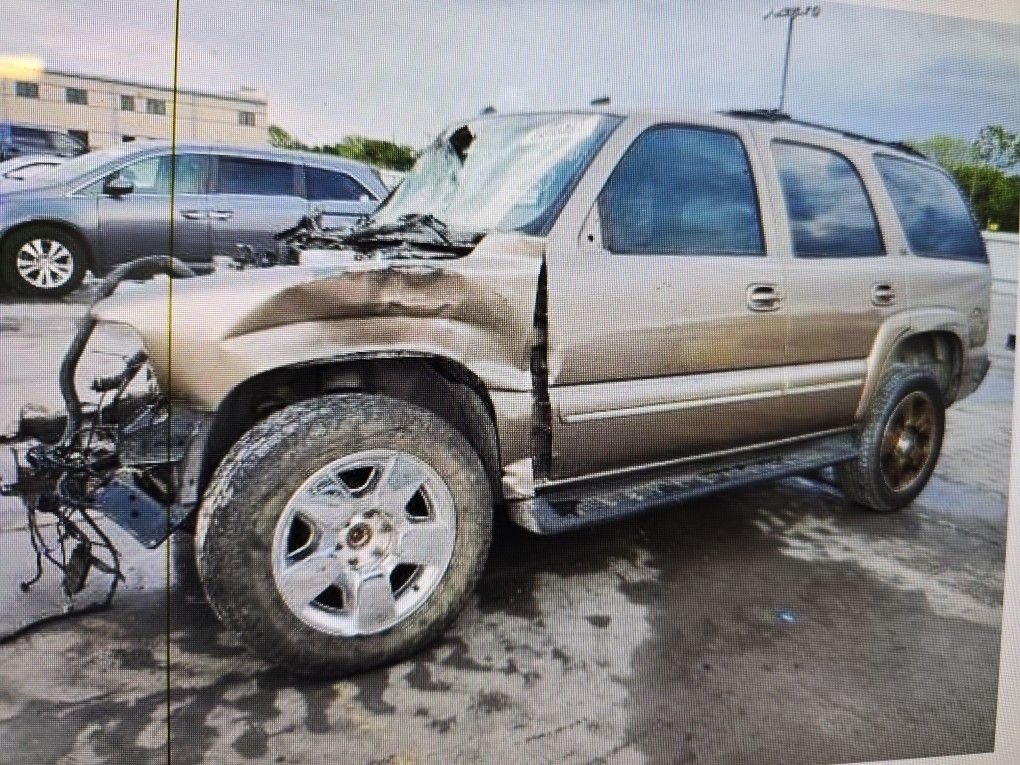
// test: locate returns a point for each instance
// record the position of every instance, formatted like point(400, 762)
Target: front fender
point(208, 335)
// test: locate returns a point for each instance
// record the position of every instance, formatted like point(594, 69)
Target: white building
point(103, 111)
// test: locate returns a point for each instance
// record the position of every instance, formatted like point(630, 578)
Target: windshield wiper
point(405, 224)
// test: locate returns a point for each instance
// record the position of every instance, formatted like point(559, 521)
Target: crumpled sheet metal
point(477, 310)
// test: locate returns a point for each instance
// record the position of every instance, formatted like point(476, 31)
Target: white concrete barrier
point(1003, 254)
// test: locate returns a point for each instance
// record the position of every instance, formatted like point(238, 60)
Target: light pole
point(791, 13)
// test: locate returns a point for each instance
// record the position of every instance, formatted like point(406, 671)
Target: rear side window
point(682, 190)
point(240, 175)
point(829, 211)
point(931, 210)
point(330, 184)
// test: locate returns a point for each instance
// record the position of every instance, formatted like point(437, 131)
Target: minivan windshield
point(509, 173)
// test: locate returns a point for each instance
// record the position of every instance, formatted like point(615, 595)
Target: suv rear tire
point(900, 441)
point(344, 532)
point(43, 261)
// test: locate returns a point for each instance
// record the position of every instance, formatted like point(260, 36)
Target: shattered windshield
point(507, 173)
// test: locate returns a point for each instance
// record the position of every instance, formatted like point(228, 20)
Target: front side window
point(76, 96)
point(931, 210)
point(260, 177)
point(333, 185)
point(828, 209)
point(151, 175)
point(684, 191)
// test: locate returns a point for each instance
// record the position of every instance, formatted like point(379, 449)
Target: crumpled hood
point(476, 309)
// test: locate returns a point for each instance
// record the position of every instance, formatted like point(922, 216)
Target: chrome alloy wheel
point(364, 542)
point(907, 442)
point(44, 263)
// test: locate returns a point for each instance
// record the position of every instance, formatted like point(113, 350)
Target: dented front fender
point(205, 336)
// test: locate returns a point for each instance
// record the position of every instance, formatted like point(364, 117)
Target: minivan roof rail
point(774, 115)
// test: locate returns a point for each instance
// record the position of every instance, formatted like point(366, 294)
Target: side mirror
point(118, 186)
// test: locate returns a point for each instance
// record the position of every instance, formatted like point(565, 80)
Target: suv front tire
point(344, 532)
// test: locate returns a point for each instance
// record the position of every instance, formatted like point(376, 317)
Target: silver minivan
point(114, 205)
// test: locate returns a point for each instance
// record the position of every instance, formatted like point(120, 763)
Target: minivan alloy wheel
point(45, 263)
point(364, 542)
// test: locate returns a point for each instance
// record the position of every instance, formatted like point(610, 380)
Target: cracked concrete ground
point(775, 624)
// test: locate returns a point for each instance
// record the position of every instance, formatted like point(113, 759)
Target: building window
point(155, 106)
point(246, 118)
point(127, 103)
point(76, 96)
point(82, 136)
point(26, 89)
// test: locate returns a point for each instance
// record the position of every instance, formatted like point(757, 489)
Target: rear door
point(338, 196)
point(665, 312)
point(253, 199)
point(841, 283)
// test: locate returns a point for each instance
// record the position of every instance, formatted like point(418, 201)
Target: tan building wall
point(236, 118)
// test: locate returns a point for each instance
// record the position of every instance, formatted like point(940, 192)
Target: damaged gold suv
point(564, 317)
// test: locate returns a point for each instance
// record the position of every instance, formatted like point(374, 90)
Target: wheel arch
point(934, 341)
point(434, 382)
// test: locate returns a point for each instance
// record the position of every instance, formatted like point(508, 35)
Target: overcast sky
point(403, 68)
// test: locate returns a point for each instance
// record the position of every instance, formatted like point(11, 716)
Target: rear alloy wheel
point(900, 442)
point(344, 532)
point(43, 262)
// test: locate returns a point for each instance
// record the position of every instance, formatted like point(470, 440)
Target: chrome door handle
point(194, 214)
point(883, 294)
point(763, 297)
point(221, 214)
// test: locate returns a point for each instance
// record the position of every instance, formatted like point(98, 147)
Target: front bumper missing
point(123, 495)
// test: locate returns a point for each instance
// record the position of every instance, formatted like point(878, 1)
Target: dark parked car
point(16, 140)
point(110, 206)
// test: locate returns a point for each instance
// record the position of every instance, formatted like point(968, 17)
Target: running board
point(557, 510)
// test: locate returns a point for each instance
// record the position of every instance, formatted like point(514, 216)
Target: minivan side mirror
point(118, 186)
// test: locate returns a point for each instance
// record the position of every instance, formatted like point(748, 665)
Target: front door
point(137, 224)
point(666, 315)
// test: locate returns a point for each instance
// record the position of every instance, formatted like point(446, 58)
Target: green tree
point(375, 152)
point(982, 169)
point(386, 154)
point(947, 150)
point(998, 147)
point(281, 139)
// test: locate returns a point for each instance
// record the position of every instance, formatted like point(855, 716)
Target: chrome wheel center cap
point(359, 535)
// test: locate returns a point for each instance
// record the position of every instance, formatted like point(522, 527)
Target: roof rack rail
point(774, 115)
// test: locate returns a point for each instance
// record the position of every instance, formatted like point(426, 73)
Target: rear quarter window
point(931, 209)
point(334, 185)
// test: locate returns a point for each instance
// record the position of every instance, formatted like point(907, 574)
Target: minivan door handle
point(883, 294)
point(763, 297)
point(194, 214)
point(221, 214)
